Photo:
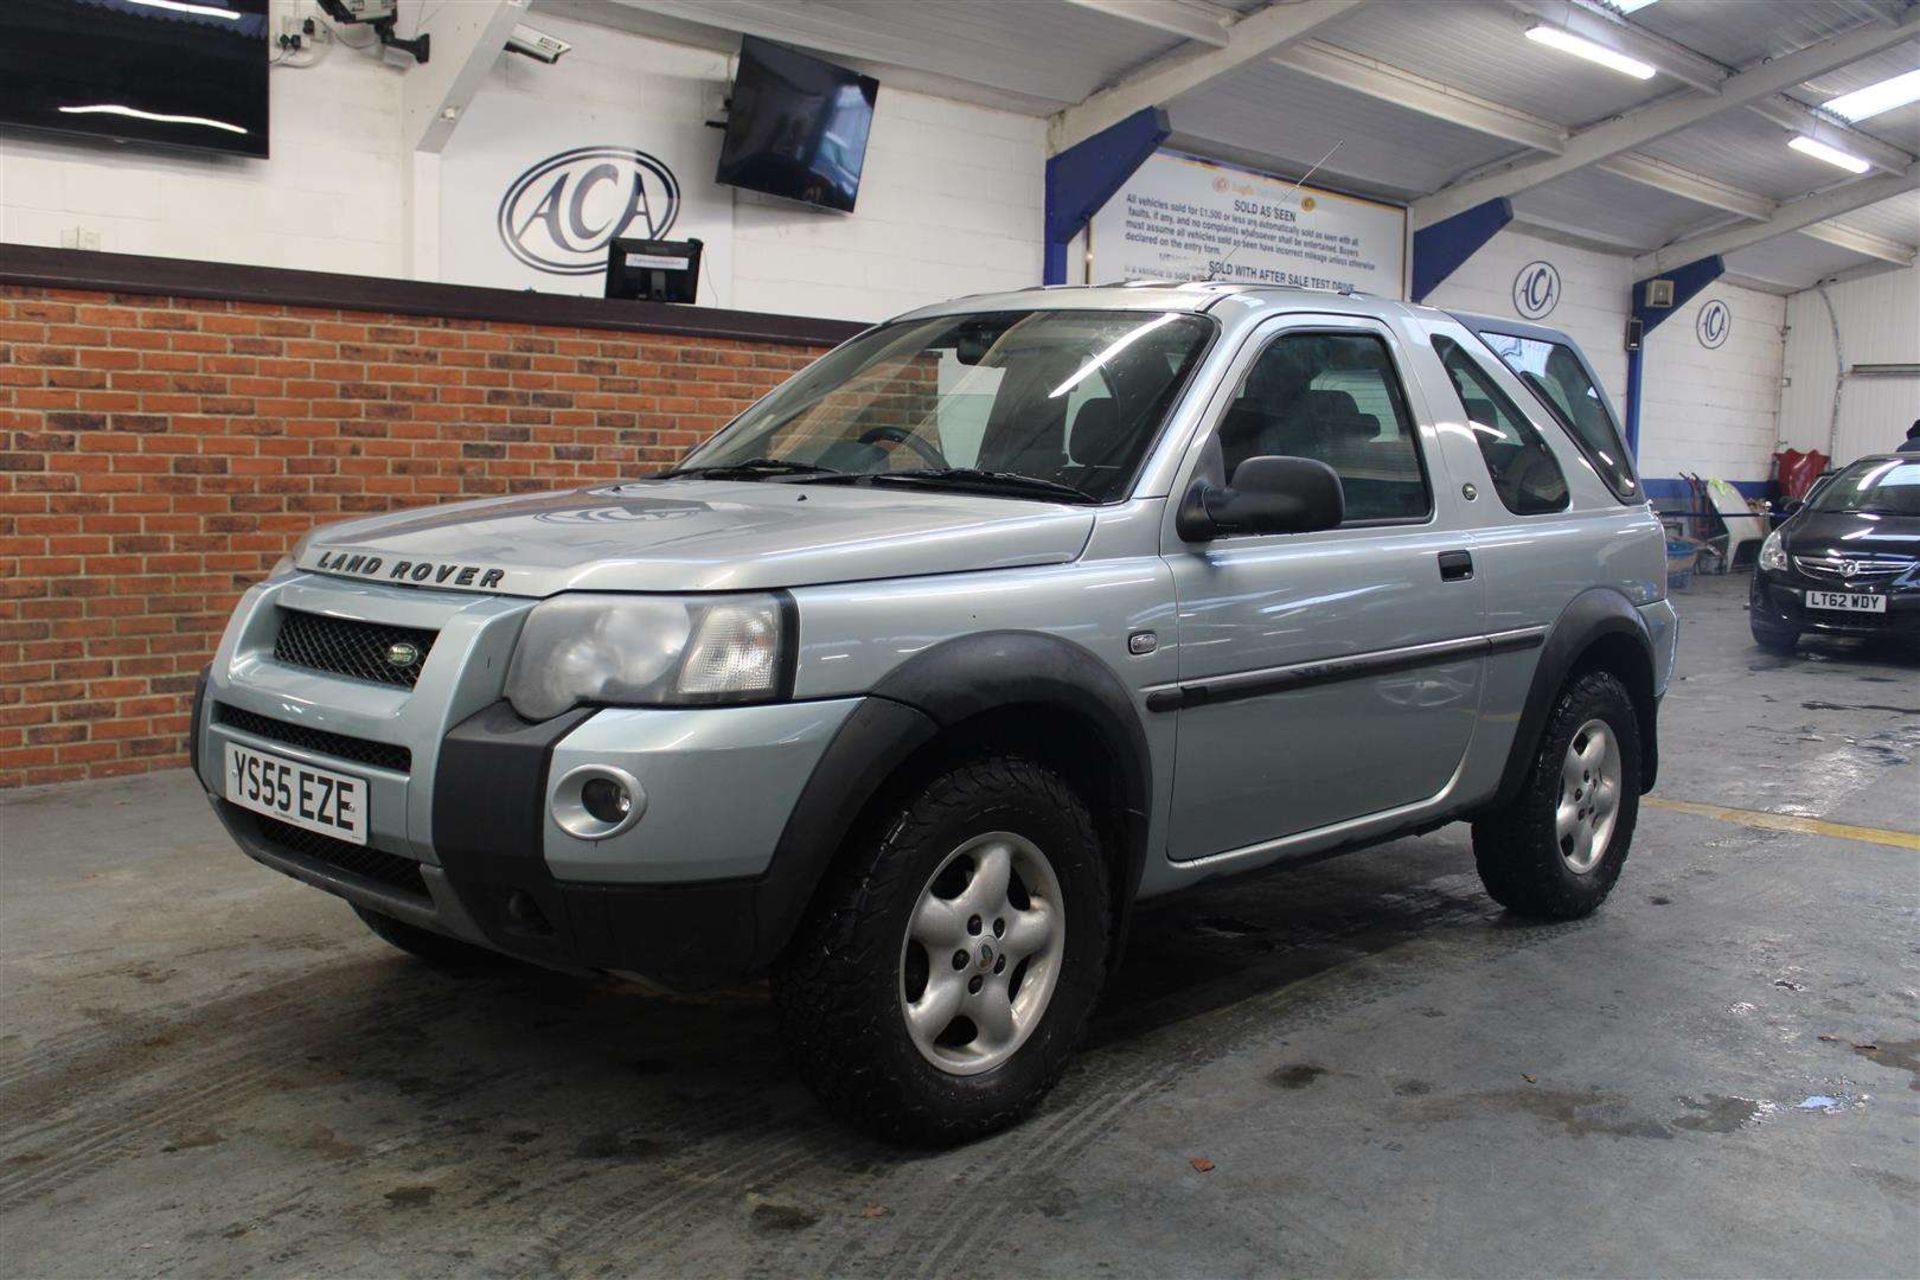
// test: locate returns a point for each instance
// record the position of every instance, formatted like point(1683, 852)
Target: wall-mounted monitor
point(797, 126)
point(181, 73)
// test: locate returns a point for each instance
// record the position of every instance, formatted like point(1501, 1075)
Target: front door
point(1326, 676)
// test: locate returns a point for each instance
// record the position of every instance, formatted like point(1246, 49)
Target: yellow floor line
point(1789, 822)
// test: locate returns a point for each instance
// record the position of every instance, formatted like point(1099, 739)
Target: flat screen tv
point(182, 73)
point(797, 127)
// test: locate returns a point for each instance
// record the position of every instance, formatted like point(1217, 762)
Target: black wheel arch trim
point(1592, 616)
point(935, 691)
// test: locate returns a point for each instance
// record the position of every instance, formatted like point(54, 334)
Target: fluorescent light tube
point(1897, 91)
point(1629, 6)
point(115, 109)
point(1567, 42)
point(1832, 155)
point(198, 10)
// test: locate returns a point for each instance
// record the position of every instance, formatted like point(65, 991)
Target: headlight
point(648, 651)
point(1773, 555)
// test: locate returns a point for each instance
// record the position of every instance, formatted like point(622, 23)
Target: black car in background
point(1847, 561)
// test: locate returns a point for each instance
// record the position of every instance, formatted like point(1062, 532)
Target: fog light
point(606, 800)
point(596, 802)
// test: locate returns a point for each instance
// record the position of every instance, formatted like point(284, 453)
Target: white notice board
point(1183, 218)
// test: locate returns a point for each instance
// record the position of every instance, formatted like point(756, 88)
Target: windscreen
point(1883, 487)
point(1069, 398)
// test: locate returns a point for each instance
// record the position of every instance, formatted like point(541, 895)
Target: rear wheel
point(946, 969)
point(435, 948)
point(1557, 849)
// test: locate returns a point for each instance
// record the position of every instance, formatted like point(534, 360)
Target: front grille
point(382, 755)
point(347, 647)
point(1870, 568)
point(386, 869)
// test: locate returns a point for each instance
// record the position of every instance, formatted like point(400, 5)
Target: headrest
point(1096, 438)
point(1328, 406)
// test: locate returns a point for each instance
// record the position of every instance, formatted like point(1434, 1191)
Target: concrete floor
point(207, 1069)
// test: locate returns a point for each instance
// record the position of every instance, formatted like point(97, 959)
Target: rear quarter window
point(1558, 379)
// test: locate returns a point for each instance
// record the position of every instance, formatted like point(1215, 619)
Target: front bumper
point(1777, 601)
point(461, 838)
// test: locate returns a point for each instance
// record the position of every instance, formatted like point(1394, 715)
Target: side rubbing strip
point(1304, 675)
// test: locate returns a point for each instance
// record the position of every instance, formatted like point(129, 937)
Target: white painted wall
point(1879, 323)
point(1713, 412)
point(951, 200)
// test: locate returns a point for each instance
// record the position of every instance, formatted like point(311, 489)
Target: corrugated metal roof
point(1740, 32)
point(1616, 210)
point(1743, 150)
point(1482, 48)
point(1897, 219)
point(1296, 119)
point(1794, 261)
point(1901, 126)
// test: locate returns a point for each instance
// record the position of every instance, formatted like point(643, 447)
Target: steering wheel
point(900, 435)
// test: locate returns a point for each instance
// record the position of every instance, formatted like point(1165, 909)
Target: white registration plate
point(333, 804)
point(1846, 601)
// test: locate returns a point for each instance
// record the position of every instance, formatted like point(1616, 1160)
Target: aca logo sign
point(1536, 290)
point(561, 213)
point(1713, 324)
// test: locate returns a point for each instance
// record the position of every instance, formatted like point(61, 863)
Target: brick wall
point(161, 453)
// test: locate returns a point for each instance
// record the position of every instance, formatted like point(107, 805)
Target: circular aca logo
point(560, 215)
point(1713, 324)
point(1536, 290)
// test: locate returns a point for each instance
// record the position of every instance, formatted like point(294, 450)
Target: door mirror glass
point(1266, 495)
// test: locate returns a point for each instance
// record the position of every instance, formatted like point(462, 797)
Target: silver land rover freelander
point(1000, 618)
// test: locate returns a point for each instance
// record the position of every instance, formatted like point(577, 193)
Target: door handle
point(1456, 566)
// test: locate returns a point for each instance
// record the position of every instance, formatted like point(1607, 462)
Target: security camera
point(536, 44)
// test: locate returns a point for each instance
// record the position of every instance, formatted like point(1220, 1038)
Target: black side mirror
point(1266, 495)
point(1791, 506)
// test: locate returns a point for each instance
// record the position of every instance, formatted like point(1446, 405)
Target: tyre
point(1780, 640)
point(947, 966)
point(435, 948)
point(1556, 850)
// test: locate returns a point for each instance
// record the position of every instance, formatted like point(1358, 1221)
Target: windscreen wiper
point(975, 478)
point(748, 469)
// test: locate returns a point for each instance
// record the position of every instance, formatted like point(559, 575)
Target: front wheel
point(1557, 849)
point(947, 967)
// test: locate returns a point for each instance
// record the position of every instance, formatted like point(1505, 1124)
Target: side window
point(1335, 397)
point(1556, 375)
point(1525, 474)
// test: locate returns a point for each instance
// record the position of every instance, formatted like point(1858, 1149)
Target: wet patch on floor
point(187, 1142)
point(617, 1146)
point(771, 1216)
point(1723, 1113)
point(410, 1197)
point(1296, 1075)
point(1580, 1113)
point(1817, 705)
point(1901, 1055)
